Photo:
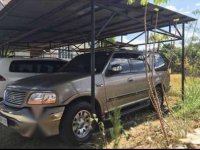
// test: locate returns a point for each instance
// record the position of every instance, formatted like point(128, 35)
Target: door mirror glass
point(119, 64)
point(116, 69)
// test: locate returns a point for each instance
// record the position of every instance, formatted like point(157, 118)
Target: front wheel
point(76, 127)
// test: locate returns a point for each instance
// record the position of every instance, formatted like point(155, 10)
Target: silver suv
point(59, 103)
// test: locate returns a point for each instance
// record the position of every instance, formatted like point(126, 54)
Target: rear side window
point(137, 66)
point(21, 66)
point(159, 61)
point(32, 66)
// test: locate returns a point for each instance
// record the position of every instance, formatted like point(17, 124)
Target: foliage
point(145, 2)
point(108, 42)
point(101, 126)
point(156, 37)
point(117, 129)
point(115, 132)
point(190, 108)
point(174, 54)
point(6, 53)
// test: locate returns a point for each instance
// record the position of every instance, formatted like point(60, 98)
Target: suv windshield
point(82, 63)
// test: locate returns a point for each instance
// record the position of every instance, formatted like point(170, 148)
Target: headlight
point(42, 99)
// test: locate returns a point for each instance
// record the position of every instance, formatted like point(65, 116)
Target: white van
point(13, 69)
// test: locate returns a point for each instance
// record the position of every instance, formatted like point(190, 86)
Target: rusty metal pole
point(183, 61)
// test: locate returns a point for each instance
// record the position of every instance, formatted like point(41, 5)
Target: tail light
point(2, 78)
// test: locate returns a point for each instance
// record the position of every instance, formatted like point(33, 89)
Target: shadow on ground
point(11, 139)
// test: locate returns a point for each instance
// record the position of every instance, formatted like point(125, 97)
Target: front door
point(118, 84)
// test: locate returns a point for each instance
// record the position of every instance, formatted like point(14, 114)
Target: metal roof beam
point(176, 28)
point(166, 33)
point(100, 4)
point(135, 38)
point(106, 24)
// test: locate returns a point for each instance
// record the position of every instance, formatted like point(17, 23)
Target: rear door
point(161, 68)
point(139, 84)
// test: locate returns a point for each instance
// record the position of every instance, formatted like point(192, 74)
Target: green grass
point(191, 107)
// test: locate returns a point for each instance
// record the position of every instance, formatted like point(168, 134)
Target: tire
point(73, 119)
point(160, 98)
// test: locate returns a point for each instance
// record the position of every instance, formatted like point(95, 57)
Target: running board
point(135, 108)
point(132, 108)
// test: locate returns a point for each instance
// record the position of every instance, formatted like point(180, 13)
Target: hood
point(46, 81)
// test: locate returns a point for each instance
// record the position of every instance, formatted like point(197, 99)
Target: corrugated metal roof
point(34, 23)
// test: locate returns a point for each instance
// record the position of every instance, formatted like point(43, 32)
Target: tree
point(155, 37)
point(145, 2)
point(108, 41)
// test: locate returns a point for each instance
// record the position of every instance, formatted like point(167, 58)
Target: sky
point(185, 7)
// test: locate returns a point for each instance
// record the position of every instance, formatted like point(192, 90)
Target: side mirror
point(115, 69)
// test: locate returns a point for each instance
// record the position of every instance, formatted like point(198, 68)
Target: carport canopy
point(47, 24)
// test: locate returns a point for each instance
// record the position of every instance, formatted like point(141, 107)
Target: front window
point(122, 60)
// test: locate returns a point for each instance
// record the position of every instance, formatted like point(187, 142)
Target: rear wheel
point(76, 127)
point(159, 98)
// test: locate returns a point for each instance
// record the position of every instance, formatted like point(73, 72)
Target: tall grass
point(190, 108)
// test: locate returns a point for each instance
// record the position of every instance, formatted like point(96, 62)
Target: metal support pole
point(59, 53)
point(148, 36)
point(68, 51)
point(93, 56)
point(2, 51)
point(183, 61)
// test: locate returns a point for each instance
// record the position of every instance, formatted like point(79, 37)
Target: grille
point(15, 97)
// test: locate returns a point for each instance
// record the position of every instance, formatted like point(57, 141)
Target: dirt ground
point(10, 139)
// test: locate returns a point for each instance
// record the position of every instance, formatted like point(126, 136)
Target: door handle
point(130, 79)
point(99, 85)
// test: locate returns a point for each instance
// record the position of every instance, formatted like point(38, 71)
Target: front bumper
point(26, 122)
